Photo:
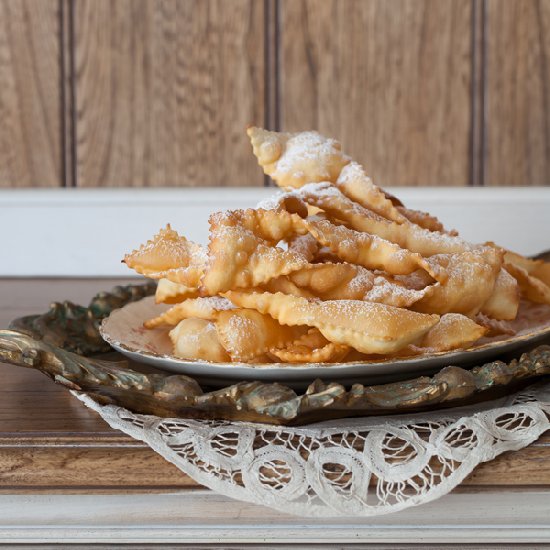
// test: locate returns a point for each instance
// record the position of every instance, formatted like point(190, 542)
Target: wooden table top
point(50, 442)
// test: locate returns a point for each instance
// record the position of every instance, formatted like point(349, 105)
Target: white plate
point(124, 331)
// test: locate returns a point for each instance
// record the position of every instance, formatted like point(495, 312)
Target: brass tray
point(64, 343)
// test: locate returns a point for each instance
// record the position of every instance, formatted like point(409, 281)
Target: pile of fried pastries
point(331, 269)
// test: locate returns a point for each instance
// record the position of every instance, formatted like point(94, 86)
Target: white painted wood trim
point(85, 232)
point(201, 516)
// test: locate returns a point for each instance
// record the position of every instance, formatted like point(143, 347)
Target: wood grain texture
point(30, 101)
point(40, 465)
point(390, 78)
point(478, 89)
point(49, 441)
point(518, 92)
point(165, 89)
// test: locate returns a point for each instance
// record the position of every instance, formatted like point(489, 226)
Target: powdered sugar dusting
point(308, 148)
point(362, 280)
point(391, 293)
point(273, 202)
point(351, 172)
point(217, 303)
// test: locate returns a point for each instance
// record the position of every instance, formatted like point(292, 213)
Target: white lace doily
point(353, 467)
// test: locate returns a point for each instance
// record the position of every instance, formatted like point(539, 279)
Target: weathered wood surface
point(164, 91)
point(390, 79)
point(30, 94)
point(51, 441)
point(158, 92)
point(517, 140)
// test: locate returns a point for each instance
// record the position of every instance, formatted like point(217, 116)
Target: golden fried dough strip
point(322, 278)
point(471, 280)
point(542, 272)
point(197, 339)
point(246, 334)
point(327, 281)
point(200, 308)
point(504, 301)
point(335, 204)
point(325, 254)
point(452, 332)
point(387, 291)
point(357, 186)
point(417, 280)
point(370, 251)
point(172, 293)
point(167, 253)
point(368, 327)
point(269, 225)
point(531, 287)
point(494, 327)
point(286, 286)
point(293, 160)
point(189, 276)
point(238, 258)
point(358, 189)
point(406, 235)
point(312, 347)
point(354, 289)
point(306, 245)
point(415, 238)
point(518, 260)
point(241, 251)
point(425, 220)
point(537, 268)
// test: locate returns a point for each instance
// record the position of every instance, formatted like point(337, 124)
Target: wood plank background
point(158, 92)
point(30, 94)
point(391, 79)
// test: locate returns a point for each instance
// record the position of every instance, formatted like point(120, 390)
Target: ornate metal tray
point(65, 344)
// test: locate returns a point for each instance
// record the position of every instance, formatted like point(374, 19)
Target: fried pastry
point(293, 160)
point(471, 279)
point(305, 245)
point(168, 292)
point(247, 334)
point(531, 287)
point(369, 250)
point(333, 268)
point(197, 339)
point(386, 290)
point(167, 254)
point(360, 190)
point(366, 326)
point(535, 268)
point(312, 347)
point(424, 220)
point(241, 251)
point(503, 303)
point(323, 278)
point(199, 308)
point(271, 226)
point(286, 286)
point(452, 332)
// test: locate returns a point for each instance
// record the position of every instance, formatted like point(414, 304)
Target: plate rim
point(502, 345)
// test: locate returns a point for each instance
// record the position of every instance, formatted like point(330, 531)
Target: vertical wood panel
point(390, 78)
point(68, 141)
point(165, 89)
point(30, 101)
point(477, 143)
point(518, 92)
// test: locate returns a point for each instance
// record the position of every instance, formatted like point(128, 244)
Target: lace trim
point(359, 467)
